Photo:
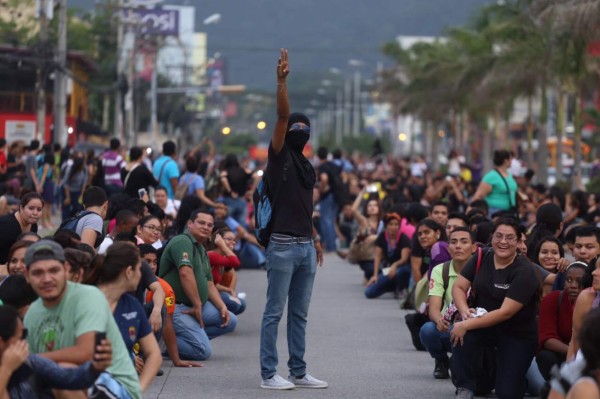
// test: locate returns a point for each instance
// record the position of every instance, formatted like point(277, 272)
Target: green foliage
point(594, 185)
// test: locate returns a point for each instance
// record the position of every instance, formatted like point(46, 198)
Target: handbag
point(361, 249)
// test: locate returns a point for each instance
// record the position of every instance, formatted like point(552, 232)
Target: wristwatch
point(317, 238)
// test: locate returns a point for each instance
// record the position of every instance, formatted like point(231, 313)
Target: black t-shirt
point(293, 206)
point(238, 180)
point(517, 281)
point(331, 170)
point(145, 281)
point(10, 229)
point(418, 251)
point(391, 255)
point(140, 177)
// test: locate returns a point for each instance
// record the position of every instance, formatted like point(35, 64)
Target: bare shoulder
point(584, 388)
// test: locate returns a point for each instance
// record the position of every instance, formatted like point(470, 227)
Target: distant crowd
point(501, 274)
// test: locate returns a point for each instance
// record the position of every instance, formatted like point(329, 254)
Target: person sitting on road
point(507, 292)
point(435, 334)
point(71, 314)
point(370, 224)
point(428, 233)
point(588, 386)
point(16, 257)
point(126, 221)
point(392, 253)
point(248, 250)
point(200, 314)
point(90, 227)
point(556, 320)
point(149, 230)
point(222, 257)
point(150, 255)
point(31, 376)
point(586, 249)
point(117, 273)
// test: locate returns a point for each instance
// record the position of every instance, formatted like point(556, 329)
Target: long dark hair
point(78, 165)
point(588, 341)
point(542, 241)
point(107, 268)
point(8, 321)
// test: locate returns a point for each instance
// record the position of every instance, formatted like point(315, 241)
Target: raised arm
point(283, 102)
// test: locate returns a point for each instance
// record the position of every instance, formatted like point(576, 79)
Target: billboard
point(155, 21)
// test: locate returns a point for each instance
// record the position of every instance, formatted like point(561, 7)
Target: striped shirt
point(112, 163)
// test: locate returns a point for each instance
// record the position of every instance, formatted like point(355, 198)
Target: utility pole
point(41, 74)
point(356, 109)
point(118, 125)
point(60, 95)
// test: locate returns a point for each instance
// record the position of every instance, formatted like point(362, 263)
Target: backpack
point(212, 184)
point(262, 199)
point(182, 188)
point(71, 222)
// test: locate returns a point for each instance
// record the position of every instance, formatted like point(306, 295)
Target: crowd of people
point(502, 275)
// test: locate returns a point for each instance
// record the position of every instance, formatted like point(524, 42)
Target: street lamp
point(402, 137)
point(226, 130)
point(261, 125)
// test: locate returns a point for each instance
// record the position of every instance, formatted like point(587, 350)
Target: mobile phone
point(100, 336)
point(141, 192)
point(372, 188)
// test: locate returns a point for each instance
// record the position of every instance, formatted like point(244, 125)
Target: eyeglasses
point(230, 239)
point(299, 126)
point(511, 239)
point(151, 227)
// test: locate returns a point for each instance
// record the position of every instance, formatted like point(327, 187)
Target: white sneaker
point(276, 382)
point(308, 381)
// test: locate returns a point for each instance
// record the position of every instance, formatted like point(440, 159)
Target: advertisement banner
point(19, 131)
point(155, 21)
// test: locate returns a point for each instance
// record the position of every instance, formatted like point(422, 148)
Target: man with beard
point(292, 254)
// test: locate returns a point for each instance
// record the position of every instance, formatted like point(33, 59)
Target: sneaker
point(464, 393)
point(441, 370)
point(308, 381)
point(277, 382)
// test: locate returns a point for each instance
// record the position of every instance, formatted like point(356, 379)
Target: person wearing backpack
point(89, 224)
point(292, 253)
point(191, 183)
point(166, 170)
point(435, 334)
point(500, 315)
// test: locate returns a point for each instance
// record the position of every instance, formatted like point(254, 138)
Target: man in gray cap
point(63, 321)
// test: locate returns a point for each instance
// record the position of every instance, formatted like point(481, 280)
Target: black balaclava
point(297, 139)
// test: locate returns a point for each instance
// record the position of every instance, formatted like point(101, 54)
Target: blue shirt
point(131, 320)
point(170, 171)
point(195, 181)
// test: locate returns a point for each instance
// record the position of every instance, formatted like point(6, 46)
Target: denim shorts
point(106, 386)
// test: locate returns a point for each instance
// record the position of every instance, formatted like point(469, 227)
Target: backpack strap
point(510, 201)
point(446, 277)
point(162, 169)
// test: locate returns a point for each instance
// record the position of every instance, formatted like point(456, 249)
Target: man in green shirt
point(63, 321)
point(200, 314)
point(434, 334)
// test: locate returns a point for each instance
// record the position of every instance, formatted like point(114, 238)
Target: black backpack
point(340, 191)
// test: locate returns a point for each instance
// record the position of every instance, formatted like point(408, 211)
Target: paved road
point(361, 347)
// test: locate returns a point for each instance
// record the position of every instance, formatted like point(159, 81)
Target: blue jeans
point(513, 358)
point(232, 305)
point(329, 211)
point(251, 256)
point(367, 267)
point(386, 284)
point(291, 270)
point(238, 209)
point(193, 341)
point(436, 342)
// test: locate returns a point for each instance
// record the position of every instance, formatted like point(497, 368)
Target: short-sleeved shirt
point(170, 171)
point(498, 197)
point(184, 251)
point(394, 253)
point(148, 278)
point(112, 163)
point(83, 309)
point(436, 284)
point(169, 295)
point(131, 319)
point(92, 221)
point(30, 163)
point(517, 281)
point(195, 181)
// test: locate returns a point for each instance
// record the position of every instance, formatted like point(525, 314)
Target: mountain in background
point(320, 34)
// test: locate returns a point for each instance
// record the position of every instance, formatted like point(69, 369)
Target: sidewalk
point(361, 347)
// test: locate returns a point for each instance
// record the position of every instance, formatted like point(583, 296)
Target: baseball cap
point(44, 250)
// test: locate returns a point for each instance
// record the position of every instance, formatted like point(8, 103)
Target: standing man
point(113, 162)
point(200, 314)
point(291, 255)
point(327, 202)
point(165, 169)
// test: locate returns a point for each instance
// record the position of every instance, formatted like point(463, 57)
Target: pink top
point(407, 228)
